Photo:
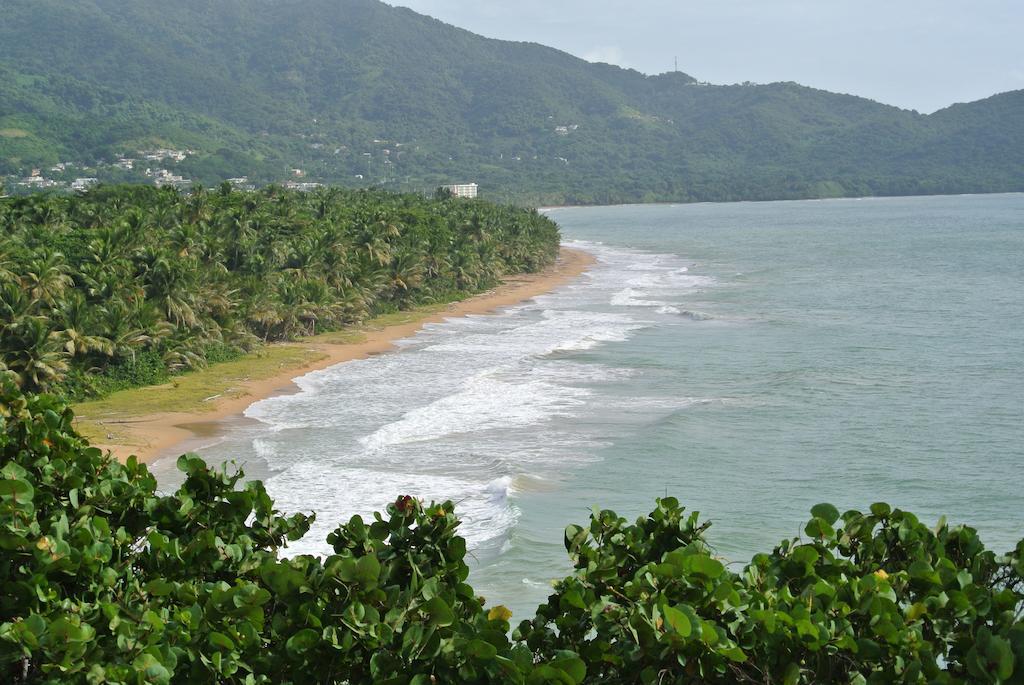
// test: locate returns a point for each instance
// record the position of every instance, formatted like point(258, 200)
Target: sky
point(915, 54)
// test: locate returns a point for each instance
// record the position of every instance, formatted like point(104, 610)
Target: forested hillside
point(128, 284)
point(356, 92)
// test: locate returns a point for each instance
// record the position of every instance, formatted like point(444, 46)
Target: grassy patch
point(14, 133)
point(192, 392)
point(105, 433)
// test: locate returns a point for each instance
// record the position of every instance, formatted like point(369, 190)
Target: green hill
point(344, 89)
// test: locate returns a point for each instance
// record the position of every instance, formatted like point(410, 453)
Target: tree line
point(126, 284)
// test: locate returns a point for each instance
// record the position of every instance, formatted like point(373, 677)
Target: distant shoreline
point(549, 208)
point(152, 436)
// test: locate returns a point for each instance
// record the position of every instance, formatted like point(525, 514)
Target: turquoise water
point(749, 359)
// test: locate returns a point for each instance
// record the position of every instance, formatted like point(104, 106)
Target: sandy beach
point(152, 436)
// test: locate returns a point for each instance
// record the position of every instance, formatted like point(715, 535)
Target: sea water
point(750, 359)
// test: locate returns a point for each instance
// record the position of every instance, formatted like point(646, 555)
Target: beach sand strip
point(151, 436)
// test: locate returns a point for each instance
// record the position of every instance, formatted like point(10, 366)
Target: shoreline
point(152, 436)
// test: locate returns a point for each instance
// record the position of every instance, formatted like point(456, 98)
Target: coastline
point(151, 436)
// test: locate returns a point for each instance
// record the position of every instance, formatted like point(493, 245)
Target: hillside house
point(462, 189)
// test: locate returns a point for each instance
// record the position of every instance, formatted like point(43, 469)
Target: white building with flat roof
point(83, 184)
point(462, 189)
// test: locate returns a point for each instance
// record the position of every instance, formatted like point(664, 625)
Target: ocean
point(749, 359)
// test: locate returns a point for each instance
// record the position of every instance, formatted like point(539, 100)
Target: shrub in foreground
point(105, 580)
point(873, 597)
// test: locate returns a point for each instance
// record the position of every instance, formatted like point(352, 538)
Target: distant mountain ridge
point(343, 89)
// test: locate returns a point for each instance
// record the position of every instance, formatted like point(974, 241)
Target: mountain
point(359, 92)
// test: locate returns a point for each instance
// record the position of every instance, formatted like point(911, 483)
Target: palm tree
point(87, 282)
point(46, 278)
point(79, 327)
point(36, 356)
point(130, 331)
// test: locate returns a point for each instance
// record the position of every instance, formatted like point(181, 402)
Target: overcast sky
point(917, 54)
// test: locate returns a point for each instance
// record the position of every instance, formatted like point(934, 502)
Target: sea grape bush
point(104, 579)
point(873, 597)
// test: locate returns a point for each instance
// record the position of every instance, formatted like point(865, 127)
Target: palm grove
point(126, 285)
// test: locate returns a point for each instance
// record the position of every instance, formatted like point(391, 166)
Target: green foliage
point(259, 86)
point(872, 597)
point(103, 579)
point(126, 285)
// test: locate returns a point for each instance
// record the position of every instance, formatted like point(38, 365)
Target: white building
point(83, 184)
point(462, 189)
point(164, 153)
point(163, 177)
point(241, 183)
point(302, 186)
point(38, 182)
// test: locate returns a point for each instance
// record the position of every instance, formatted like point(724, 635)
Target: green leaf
point(570, 664)
point(367, 571)
point(805, 554)
point(16, 489)
point(704, 565)
point(302, 641)
point(819, 528)
point(825, 511)
point(916, 611)
point(190, 464)
point(573, 599)
point(478, 649)
point(439, 612)
point(159, 587)
point(677, 620)
point(574, 535)
point(881, 509)
point(733, 654)
point(151, 670)
point(221, 640)
point(998, 652)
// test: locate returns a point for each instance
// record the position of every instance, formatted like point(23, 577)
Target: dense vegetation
point(342, 88)
point(126, 284)
point(103, 579)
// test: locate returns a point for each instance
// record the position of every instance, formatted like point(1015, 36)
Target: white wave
point(592, 340)
point(336, 494)
point(557, 330)
point(631, 297)
point(486, 401)
point(695, 316)
point(537, 584)
point(469, 406)
point(571, 372)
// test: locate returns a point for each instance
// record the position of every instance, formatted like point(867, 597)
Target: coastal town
point(80, 176)
point(379, 164)
point(150, 166)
